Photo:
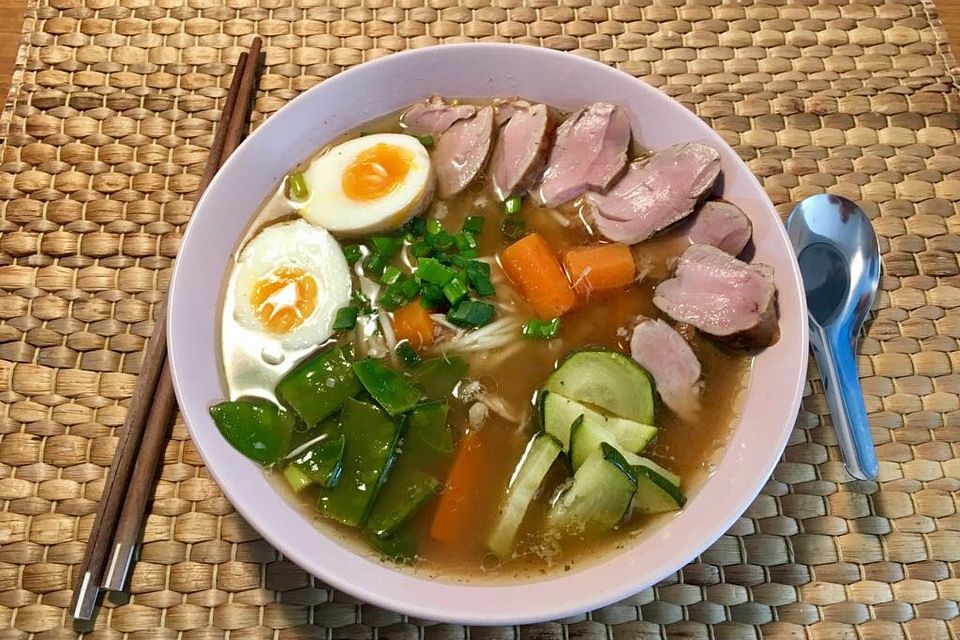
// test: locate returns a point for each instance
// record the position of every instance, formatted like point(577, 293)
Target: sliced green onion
point(466, 244)
point(512, 226)
point(390, 274)
point(297, 187)
point(478, 275)
point(441, 241)
point(471, 313)
point(345, 319)
point(511, 206)
point(426, 140)
point(352, 252)
point(418, 226)
point(473, 224)
point(434, 227)
point(362, 302)
point(432, 271)
point(455, 290)
point(541, 329)
point(431, 297)
point(407, 353)
point(420, 249)
point(385, 245)
point(374, 264)
point(401, 292)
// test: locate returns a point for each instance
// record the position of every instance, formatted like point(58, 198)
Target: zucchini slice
point(606, 379)
point(560, 412)
point(600, 494)
point(536, 462)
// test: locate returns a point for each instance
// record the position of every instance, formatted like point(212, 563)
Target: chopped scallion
point(440, 241)
point(471, 313)
point(352, 252)
point(362, 302)
point(541, 329)
point(512, 226)
point(390, 274)
point(375, 263)
point(420, 249)
point(385, 245)
point(466, 244)
point(297, 187)
point(473, 224)
point(401, 292)
point(432, 271)
point(434, 227)
point(455, 290)
point(407, 353)
point(418, 226)
point(511, 206)
point(431, 296)
point(345, 319)
point(425, 140)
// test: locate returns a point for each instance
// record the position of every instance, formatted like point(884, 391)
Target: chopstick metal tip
point(117, 573)
point(85, 600)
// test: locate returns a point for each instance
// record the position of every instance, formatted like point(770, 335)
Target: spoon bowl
point(839, 261)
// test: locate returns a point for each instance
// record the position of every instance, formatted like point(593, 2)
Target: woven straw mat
point(106, 133)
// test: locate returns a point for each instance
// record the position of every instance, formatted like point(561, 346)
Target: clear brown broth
point(600, 321)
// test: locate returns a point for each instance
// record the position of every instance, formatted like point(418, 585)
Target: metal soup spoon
point(840, 263)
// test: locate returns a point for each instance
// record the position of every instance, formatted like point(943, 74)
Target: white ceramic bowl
point(474, 70)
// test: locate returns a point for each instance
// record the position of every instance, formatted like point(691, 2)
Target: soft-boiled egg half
point(291, 280)
point(283, 295)
point(372, 183)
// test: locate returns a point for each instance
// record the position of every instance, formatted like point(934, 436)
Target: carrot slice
point(534, 269)
point(600, 267)
point(453, 520)
point(413, 323)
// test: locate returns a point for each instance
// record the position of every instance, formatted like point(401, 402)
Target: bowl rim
point(500, 609)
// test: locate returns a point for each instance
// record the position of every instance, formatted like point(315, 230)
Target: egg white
point(329, 207)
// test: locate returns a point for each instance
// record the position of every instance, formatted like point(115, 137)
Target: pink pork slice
point(655, 193)
point(722, 296)
point(719, 224)
point(521, 149)
point(461, 152)
point(589, 152)
point(670, 360)
point(434, 116)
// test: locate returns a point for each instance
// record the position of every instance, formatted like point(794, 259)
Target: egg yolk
point(284, 298)
point(376, 172)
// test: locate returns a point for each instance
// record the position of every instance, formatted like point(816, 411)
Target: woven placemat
point(107, 130)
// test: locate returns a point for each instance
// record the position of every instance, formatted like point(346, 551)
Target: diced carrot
point(453, 521)
point(414, 324)
point(599, 267)
point(534, 269)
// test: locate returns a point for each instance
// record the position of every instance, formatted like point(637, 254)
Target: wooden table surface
point(11, 19)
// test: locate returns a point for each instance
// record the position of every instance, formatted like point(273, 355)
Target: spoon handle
point(838, 366)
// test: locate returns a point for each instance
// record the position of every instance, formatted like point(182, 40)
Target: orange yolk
point(284, 299)
point(376, 172)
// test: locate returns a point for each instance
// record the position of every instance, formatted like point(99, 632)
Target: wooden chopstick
point(238, 119)
point(130, 480)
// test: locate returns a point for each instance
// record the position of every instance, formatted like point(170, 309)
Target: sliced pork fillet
point(462, 151)
point(521, 149)
point(722, 296)
point(590, 152)
point(719, 224)
point(674, 367)
point(655, 193)
point(434, 116)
